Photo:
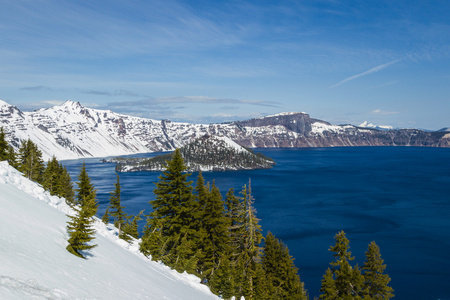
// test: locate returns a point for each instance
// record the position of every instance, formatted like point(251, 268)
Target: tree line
point(193, 229)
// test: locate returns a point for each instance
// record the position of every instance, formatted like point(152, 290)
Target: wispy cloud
point(152, 101)
point(373, 70)
point(36, 88)
point(111, 93)
point(383, 112)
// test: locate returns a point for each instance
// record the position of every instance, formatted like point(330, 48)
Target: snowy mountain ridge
point(36, 265)
point(71, 131)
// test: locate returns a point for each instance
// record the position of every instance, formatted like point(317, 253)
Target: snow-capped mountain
point(71, 131)
point(366, 124)
point(36, 265)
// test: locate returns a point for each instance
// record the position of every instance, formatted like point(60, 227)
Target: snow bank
point(35, 264)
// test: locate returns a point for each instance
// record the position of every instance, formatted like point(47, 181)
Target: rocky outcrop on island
point(208, 153)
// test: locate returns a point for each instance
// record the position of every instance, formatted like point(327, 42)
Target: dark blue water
point(397, 196)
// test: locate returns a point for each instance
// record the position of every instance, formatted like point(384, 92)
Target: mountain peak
point(71, 104)
point(4, 104)
point(366, 124)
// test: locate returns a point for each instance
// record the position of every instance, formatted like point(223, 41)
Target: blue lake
point(398, 197)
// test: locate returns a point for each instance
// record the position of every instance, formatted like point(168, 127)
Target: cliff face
point(73, 131)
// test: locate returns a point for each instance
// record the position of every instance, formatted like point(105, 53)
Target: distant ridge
point(71, 131)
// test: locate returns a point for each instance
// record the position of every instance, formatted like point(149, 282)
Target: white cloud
point(383, 112)
point(373, 70)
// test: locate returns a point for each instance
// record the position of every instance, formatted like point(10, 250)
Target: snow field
point(34, 263)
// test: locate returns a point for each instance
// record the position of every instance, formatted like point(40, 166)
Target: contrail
point(373, 70)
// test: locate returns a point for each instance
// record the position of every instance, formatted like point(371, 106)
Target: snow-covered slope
point(34, 263)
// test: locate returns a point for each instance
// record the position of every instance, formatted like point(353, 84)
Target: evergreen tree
point(116, 209)
point(105, 218)
point(328, 289)
point(375, 281)
point(56, 179)
point(215, 225)
point(348, 280)
point(280, 270)
point(80, 228)
point(11, 157)
point(30, 161)
point(80, 225)
point(85, 190)
point(250, 244)
point(222, 281)
point(130, 229)
point(3, 145)
point(67, 191)
point(51, 177)
point(174, 210)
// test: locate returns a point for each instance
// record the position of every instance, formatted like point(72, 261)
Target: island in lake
point(208, 153)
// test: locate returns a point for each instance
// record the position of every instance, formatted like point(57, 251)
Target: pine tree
point(30, 161)
point(328, 289)
point(80, 227)
point(172, 215)
point(11, 157)
point(250, 243)
point(3, 145)
point(67, 191)
point(116, 208)
point(85, 188)
point(280, 270)
point(348, 280)
point(215, 225)
point(221, 282)
point(130, 229)
point(105, 218)
point(56, 179)
point(51, 177)
point(375, 281)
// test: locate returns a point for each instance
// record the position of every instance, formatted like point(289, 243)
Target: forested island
point(208, 153)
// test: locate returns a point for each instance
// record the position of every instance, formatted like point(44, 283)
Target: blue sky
point(387, 62)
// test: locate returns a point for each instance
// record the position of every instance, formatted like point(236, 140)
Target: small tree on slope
point(80, 225)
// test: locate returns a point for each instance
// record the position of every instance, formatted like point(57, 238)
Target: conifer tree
point(11, 157)
point(56, 179)
point(348, 280)
point(328, 288)
point(280, 270)
point(85, 188)
point(172, 215)
point(80, 228)
point(30, 161)
point(130, 229)
point(251, 254)
point(3, 145)
point(105, 218)
point(215, 225)
point(80, 225)
point(116, 208)
point(67, 191)
point(51, 177)
point(375, 281)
